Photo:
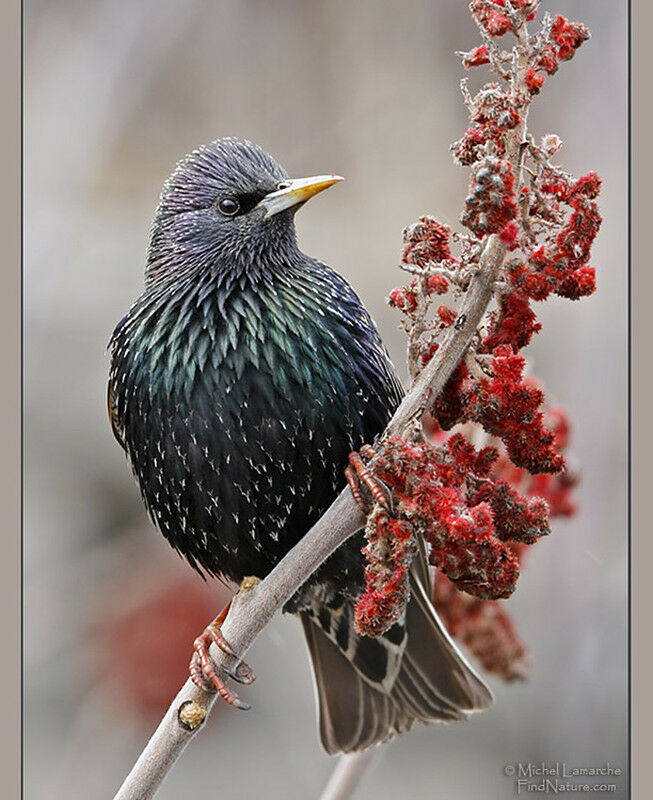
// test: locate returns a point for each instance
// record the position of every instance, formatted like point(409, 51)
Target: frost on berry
point(493, 17)
point(495, 22)
point(469, 149)
point(567, 37)
point(476, 57)
point(560, 265)
point(551, 143)
point(534, 81)
point(389, 551)
point(445, 494)
point(491, 203)
point(480, 481)
point(426, 240)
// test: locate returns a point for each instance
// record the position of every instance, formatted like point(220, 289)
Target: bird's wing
point(113, 416)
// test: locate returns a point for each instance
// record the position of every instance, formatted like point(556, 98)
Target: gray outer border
point(10, 411)
point(11, 421)
point(641, 393)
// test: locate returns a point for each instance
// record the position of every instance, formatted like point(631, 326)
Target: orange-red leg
point(203, 670)
point(357, 472)
point(369, 452)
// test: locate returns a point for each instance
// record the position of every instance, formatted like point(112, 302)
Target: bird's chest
point(238, 426)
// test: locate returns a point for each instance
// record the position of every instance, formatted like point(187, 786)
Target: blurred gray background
point(116, 92)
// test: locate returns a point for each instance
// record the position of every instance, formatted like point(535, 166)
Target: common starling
point(240, 381)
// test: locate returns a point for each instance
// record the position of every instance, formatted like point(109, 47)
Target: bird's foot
point(357, 473)
point(203, 670)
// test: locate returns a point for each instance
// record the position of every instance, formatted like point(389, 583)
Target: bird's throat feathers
point(283, 318)
point(188, 244)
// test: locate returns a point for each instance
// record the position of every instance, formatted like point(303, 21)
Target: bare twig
point(252, 609)
point(250, 612)
point(347, 775)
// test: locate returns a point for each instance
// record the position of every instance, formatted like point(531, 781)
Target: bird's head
point(227, 205)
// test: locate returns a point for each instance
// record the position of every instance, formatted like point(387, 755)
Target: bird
point(240, 381)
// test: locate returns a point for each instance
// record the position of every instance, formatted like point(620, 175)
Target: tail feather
point(433, 681)
point(352, 715)
point(438, 665)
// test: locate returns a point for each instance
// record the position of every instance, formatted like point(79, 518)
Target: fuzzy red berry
point(509, 235)
point(447, 315)
point(496, 23)
point(437, 284)
point(568, 36)
point(476, 57)
point(403, 298)
point(515, 325)
point(466, 151)
point(426, 240)
point(389, 551)
point(581, 283)
point(509, 408)
point(534, 81)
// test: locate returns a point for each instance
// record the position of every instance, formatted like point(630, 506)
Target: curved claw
point(243, 674)
point(204, 671)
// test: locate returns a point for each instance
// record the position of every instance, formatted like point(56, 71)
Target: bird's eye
point(228, 206)
point(283, 185)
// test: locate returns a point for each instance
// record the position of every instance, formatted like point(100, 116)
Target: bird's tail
point(370, 689)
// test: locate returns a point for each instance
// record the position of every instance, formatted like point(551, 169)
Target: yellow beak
point(296, 192)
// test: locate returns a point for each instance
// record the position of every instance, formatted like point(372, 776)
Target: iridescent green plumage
point(256, 390)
